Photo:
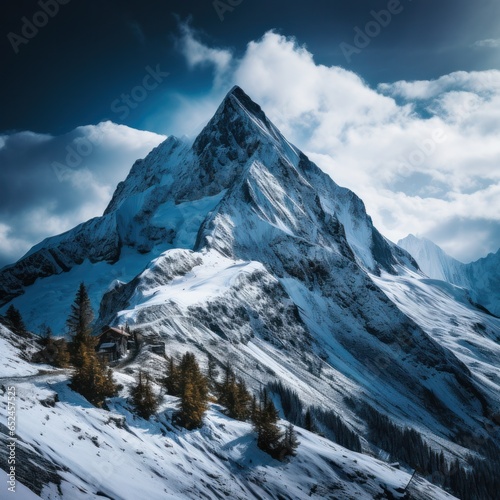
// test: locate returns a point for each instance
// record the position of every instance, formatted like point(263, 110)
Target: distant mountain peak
point(481, 277)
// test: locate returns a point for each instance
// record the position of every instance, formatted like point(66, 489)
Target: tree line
point(479, 478)
point(186, 380)
point(315, 419)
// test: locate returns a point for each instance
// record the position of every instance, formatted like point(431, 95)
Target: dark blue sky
point(91, 51)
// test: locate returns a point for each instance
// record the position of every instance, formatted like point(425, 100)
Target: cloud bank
point(50, 184)
point(423, 155)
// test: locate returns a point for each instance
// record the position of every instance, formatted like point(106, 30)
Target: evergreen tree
point(265, 421)
point(254, 411)
point(243, 401)
point(290, 401)
point(212, 373)
point(79, 325)
point(15, 321)
point(91, 379)
point(193, 393)
point(61, 359)
point(55, 352)
point(143, 397)
point(233, 394)
point(46, 334)
point(172, 380)
point(290, 442)
point(308, 421)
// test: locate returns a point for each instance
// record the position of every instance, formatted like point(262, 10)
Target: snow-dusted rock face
point(481, 278)
point(239, 246)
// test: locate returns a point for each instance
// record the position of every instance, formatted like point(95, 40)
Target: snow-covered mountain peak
point(481, 278)
point(432, 259)
point(238, 128)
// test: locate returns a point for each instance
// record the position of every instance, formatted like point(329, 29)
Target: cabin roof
point(118, 331)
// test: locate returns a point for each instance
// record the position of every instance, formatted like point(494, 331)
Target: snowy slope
point(15, 352)
point(91, 453)
point(481, 277)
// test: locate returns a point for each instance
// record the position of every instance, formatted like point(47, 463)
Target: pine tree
point(265, 421)
point(143, 397)
point(46, 334)
point(61, 359)
point(290, 442)
point(92, 380)
point(79, 325)
point(212, 373)
point(243, 401)
point(308, 421)
point(15, 321)
point(193, 392)
point(172, 380)
point(233, 394)
point(254, 411)
point(55, 352)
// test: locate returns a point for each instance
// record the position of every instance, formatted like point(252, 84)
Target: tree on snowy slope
point(290, 442)
point(233, 394)
point(265, 423)
point(309, 422)
point(172, 380)
point(79, 326)
point(143, 396)
point(193, 393)
point(14, 321)
point(264, 417)
point(54, 351)
point(212, 373)
point(92, 379)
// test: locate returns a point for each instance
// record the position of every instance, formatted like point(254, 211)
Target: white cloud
point(198, 54)
point(490, 43)
point(39, 200)
point(481, 82)
point(417, 172)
